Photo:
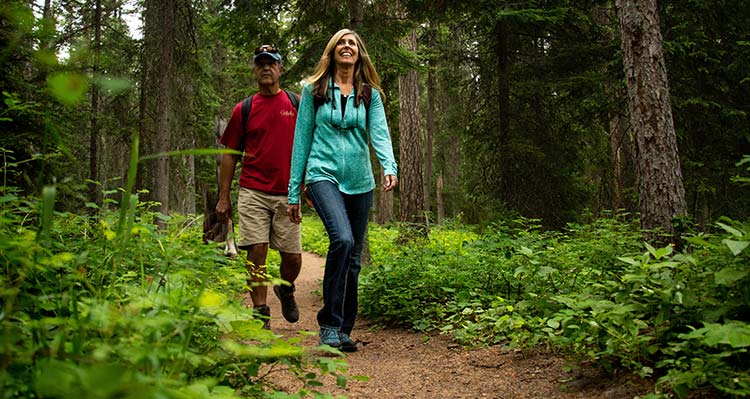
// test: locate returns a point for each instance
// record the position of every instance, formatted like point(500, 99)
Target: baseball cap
point(266, 51)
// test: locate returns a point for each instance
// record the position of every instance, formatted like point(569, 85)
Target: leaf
point(341, 381)
point(727, 276)
point(736, 246)
point(113, 85)
point(553, 323)
point(629, 261)
point(526, 251)
point(730, 229)
point(48, 208)
point(195, 151)
point(662, 252)
point(545, 270)
point(68, 88)
point(734, 333)
point(677, 300)
point(211, 299)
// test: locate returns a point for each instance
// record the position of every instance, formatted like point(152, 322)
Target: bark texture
point(168, 123)
point(660, 184)
point(159, 73)
point(411, 191)
point(94, 133)
point(384, 213)
point(429, 133)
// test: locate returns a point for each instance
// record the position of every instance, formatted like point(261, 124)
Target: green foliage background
point(531, 254)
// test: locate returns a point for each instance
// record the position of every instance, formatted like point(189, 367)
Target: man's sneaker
point(288, 304)
point(347, 345)
point(330, 337)
point(263, 312)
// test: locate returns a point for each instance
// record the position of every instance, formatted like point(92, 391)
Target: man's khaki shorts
point(263, 220)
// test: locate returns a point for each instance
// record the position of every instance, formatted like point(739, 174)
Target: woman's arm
point(380, 137)
point(303, 133)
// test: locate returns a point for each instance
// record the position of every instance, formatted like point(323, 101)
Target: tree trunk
point(439, 199)
point(162, 145)
point(502, 35)
point(429, 132)
point(616, 135)
point(385, 202)
point(356, 14)
point(411, 189)
point(94, 133)
point(159, 65)
point(662, 195)
point(505, 184)
point(47, 10)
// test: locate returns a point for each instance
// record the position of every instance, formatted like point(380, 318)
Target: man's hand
point(226, 174)
point(223, 210)
point(390, 182)
point(294, 214)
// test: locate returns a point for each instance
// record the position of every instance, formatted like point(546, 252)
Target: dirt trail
point(405, 364)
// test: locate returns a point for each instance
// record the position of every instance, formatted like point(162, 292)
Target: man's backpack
point(247, 105)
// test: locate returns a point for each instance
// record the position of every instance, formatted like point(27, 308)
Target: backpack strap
point(293, 99)
point(367, 95)
point(247, 105)
point(367, 98)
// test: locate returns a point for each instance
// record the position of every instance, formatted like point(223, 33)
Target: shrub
point(587, 291)
point(93, 310)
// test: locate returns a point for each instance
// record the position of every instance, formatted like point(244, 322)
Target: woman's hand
point(294, 214)
point(390, 182)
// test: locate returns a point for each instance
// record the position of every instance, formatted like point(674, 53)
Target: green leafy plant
point(106, 305)
point(590, 291)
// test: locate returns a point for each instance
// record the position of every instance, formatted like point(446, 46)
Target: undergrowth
point(595, 292)
point(104, 305)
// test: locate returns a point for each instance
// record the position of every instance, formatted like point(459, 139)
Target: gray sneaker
point(330, 337)
point(289, 308)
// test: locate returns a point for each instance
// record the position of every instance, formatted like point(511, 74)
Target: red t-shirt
point(267, 142)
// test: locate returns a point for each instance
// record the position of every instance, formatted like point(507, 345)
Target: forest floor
point(407, 364)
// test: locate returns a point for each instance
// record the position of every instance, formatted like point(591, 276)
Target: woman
point(340, 113)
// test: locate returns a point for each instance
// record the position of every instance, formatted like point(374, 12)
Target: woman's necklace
point(346, 88)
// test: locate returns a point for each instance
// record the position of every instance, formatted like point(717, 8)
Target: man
point(266, 140)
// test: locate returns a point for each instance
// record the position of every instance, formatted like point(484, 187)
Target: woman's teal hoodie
point(329, 147)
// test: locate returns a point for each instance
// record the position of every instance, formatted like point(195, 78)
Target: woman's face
point(346, 51)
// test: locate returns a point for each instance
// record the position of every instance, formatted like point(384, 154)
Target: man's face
point(267, 71)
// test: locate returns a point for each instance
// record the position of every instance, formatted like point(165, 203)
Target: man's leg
point(256, 267)
point(255, 223)
point(291, 264)
point(285, 237)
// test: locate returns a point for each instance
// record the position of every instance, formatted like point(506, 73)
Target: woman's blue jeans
point(345, 218)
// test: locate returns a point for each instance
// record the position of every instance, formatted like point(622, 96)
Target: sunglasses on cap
point(266, 49)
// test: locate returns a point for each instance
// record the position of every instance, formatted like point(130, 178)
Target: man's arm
point(226, 175)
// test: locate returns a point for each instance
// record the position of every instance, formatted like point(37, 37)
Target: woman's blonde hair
point(364, 70)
